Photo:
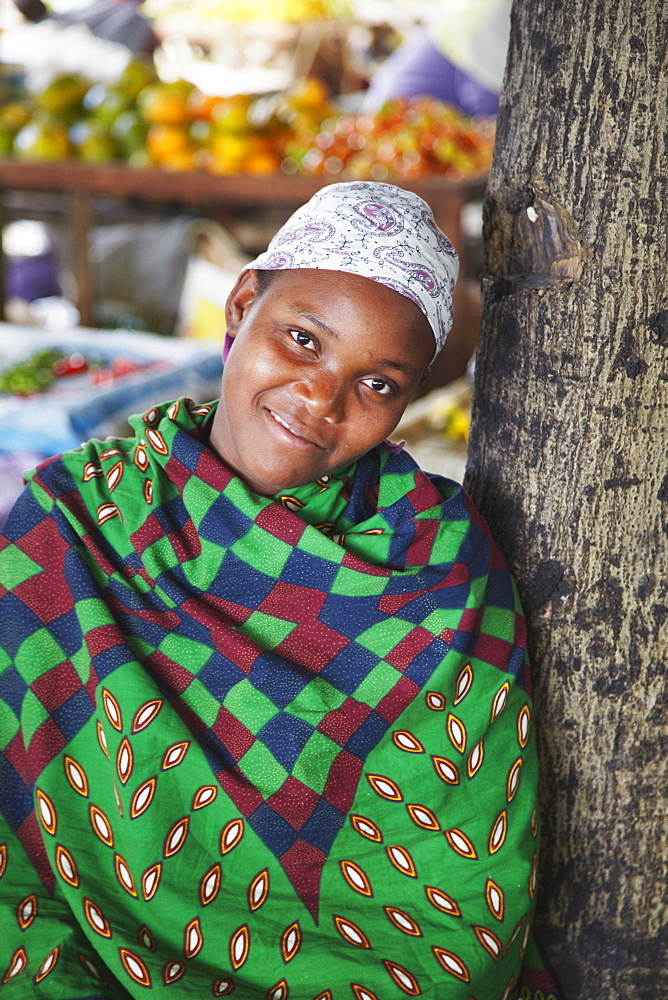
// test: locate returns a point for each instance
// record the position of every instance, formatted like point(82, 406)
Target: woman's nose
point(322, 395)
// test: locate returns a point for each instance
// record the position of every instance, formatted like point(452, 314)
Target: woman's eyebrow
point(318, 322)
point(400, 366)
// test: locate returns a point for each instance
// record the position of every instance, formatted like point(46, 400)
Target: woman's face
point(321, 368)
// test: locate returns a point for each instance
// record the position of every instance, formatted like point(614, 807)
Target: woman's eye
point(378, 385)
point(302, 339)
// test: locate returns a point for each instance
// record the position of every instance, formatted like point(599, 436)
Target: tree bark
point(568, 460)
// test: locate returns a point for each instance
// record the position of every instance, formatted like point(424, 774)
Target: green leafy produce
point(34, 374)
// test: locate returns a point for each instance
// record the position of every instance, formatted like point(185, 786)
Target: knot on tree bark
point(531, 241)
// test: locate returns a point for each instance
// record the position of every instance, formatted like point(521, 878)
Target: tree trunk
point(568, 460)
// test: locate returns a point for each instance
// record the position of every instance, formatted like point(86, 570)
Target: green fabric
point(262, 747)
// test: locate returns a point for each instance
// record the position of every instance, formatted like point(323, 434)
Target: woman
point(267, 724)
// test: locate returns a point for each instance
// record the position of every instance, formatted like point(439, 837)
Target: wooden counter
point(151, 185)
point(79, 184)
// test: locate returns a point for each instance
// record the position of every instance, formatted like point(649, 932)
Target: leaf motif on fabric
point(142, 797)
point(125, 760)
point(48, 965)
point(258, 890)
point(422, 816)
point(351, 933)
point(146, 938)
point(114, 476)
point(402, 921)
point(402, 860)
point(26, 911)
point(222, 987)
point(209, 885)
point(406, 741)
point(442, 901)
point(204, 796)
point(366, 827)
point(500, 700)
point(523, 721)
point(457, 732)
point(112, 710)
point(151, 880)
point(460, 843)
point(102, 739)
point(446, 770)
point(135, 967)
point(499, 830)
point(279, 991)
point(66, 866)
point(76, 776)
point(124, 875)
point(495, 898)
point(140, 457)
point(173, 755)
point(17, 964)
point(146, 713)
point(173, 971)
point(193, 940)
point(361, 993)
point(356, 878)
point(176, 837)
point(291, 940)
point(47, 812)
point(533, 877)
point(452, 964)
point(463, 684)
point(96, 918)
point(404, 979)
point(239, 946)
point(157, 441)
point(385, 787)
point(489, 940)
point(231, 835)
point(512, 784)
point(106, 511)
point(475, 759)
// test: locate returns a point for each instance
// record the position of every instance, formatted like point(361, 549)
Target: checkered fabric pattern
point(188, 664)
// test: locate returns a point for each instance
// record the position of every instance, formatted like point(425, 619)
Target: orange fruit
point(182, 160)
point(231, 146)
point(203, 106)
point(165, 103)
point(231, 114)
point(262, 164)
point(167, 142)
point(311, 94)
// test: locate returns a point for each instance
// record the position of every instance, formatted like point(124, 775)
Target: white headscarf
point(379, 231)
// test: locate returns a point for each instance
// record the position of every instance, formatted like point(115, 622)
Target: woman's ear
point(425, 374)
point(239, 300)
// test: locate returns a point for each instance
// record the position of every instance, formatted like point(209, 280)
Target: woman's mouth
point(294, 431)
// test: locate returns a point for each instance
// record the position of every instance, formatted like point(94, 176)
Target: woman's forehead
point(376, 231)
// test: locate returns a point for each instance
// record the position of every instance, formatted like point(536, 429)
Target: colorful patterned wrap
point(275, 748)
point(379, 231)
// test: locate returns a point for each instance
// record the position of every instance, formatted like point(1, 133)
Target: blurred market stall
point(240, 112)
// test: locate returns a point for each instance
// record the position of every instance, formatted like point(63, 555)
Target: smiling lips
point(299, 438)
